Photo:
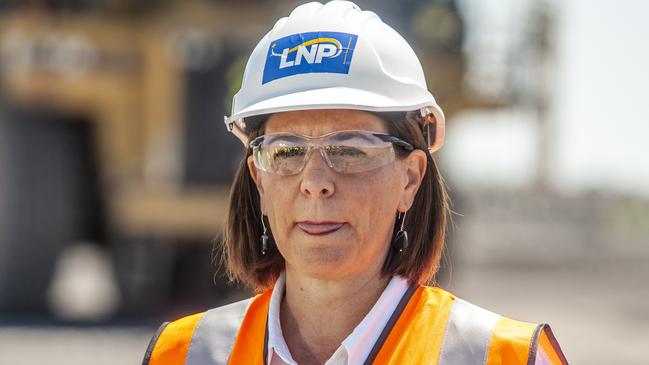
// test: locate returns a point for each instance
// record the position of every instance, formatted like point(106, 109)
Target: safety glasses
point(345, 152)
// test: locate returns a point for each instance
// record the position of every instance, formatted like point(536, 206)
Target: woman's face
point(332, 225)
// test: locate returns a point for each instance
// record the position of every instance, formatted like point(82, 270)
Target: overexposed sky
point(598, 94)
point(601, 109)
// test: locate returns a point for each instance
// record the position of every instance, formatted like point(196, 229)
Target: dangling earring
point(401, 238)
point(264, 237)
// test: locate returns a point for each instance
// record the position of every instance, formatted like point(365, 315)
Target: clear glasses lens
point(281, 157)
point(345, 152)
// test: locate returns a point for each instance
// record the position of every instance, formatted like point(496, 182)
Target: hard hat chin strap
point(433, 129)
point(428, 122)
point(233, 127)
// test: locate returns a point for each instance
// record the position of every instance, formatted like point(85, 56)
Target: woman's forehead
point(321, 121)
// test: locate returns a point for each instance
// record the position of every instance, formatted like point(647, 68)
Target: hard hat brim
point(328, 98)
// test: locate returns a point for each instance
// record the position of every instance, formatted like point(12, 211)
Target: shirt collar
point(276, 340)
point(359, 343)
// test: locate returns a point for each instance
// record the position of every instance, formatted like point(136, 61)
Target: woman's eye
point(287, 152)
point(344, 151)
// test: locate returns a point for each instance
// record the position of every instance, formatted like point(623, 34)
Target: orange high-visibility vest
point(429, 326)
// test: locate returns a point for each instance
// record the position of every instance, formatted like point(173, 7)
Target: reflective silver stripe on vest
point(215, 334)
point(468, 332)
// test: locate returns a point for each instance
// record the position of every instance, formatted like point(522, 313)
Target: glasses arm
point(397, 141)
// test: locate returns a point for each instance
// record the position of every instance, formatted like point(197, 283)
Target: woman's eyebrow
point(352, 135)
point(285, 138)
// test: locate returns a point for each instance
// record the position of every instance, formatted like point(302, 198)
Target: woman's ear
point(254, 173)
point(414, 170)
point(256, 177)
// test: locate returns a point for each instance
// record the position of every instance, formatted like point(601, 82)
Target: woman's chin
point(324, 262)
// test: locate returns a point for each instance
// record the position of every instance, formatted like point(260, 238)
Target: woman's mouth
point(319, 228)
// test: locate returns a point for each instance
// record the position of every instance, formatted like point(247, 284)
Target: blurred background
point(115, 165)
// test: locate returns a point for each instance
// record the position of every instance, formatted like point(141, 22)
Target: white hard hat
point(333, 56)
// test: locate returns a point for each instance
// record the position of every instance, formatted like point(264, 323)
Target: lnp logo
point(303, 53)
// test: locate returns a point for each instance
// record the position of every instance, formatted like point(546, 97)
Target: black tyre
point(43, 196)
point(144, 268)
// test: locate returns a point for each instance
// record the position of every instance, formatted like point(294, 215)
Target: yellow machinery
point(113, 133)
point(108, 101)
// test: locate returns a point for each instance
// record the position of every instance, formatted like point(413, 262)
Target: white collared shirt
point(357, 346)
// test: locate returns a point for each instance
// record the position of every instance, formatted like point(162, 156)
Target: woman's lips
point(319, 228)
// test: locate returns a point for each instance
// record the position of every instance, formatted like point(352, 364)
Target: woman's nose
point(317, 179)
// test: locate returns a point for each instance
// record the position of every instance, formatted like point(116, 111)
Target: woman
point(338, 212)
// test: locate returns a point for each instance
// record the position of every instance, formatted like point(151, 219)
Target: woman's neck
point(317, 315)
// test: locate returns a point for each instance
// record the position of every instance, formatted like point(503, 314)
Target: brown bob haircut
point(425, 221)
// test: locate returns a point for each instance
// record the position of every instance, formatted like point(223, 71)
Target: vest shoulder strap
point(545, 348)
point(169, 346)
point(467, 335)
point(215, 334)
point(475, 335)
point(202, 338)
point(416, 337)
point(517, 342)
point(251, 343)
point(438, 328)
point(512, 342)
